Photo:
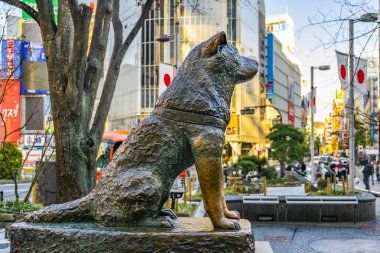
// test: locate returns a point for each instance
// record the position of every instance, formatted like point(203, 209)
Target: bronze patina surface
point(191, 235)
point(186, 127)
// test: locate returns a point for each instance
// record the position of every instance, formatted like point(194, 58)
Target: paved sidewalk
point(322, 237)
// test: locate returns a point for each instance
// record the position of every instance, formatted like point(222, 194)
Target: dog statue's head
point(222, 59)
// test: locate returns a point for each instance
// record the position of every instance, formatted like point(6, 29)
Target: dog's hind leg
point(207, 151)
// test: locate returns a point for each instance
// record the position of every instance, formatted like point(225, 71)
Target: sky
point(316, 45)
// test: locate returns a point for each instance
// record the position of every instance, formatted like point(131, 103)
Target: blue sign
point(270, 66)
point(32, 51)
point(34, 59)
point(10, 57)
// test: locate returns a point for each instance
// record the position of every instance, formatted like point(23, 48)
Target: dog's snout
point(248, 69)
point(251, 66)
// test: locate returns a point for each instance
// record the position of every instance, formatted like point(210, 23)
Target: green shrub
point(188, 209)
point(10, 159)
point(198, 194)
point(332, 193)
point(270, 172)
point(18, 206)
point(229, 191)
point(246, 166)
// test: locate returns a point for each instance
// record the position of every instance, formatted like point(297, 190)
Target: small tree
point(10, 161)
point(246, 166)
point(288, 143)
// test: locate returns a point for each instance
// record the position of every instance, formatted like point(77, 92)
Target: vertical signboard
point(270, 66)
point(290, 114)
point(10, 59)
point(10, 110)
point(291, 100)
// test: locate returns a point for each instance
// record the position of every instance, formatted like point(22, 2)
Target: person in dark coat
point(367, 172)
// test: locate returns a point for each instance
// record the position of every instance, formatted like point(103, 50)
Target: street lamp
point(322, 68)
point(175, 38)
point(367, 17)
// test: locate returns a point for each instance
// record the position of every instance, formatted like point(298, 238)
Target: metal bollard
point(343, 184)
point(265, 186)
point(334, 181)
point(176, 205)
point(235, 185)
point(328, 186)
point(167, 204)
point(185, 193)
point(190, 189)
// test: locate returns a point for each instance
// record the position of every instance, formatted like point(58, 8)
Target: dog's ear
point(211, 46)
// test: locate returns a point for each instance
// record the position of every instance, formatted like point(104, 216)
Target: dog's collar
point(189, 117)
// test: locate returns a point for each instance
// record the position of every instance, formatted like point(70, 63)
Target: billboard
point(33, 4)
point(270, 67)
point(10, 110)
point(34, 79)
point(10, 54)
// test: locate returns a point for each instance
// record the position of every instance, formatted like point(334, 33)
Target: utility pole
point(312, 125)
point(351, 108)
point(378, 86)
point(322, 67)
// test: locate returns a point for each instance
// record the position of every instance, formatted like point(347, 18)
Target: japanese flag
point(360, 78)
point(342, 69)
point(309, 101)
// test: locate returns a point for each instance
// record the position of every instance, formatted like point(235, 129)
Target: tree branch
point(96, 56)
point(112, 74)
point(47, 23)
point(25, 7)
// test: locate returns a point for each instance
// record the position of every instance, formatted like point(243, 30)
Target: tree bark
point(74, 74)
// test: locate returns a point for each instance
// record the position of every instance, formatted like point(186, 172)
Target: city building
point(283, 75)
point(284, 84)
point(184, 25)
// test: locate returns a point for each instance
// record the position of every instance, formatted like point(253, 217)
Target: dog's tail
point(77, 210)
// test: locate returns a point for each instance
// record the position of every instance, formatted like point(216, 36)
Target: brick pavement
point(321, 238)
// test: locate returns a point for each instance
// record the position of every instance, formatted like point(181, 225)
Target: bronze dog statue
point(186, 126)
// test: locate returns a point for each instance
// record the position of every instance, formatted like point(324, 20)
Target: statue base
point(189, 235)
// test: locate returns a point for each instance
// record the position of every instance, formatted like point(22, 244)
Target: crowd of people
point(325, 171)
point(368, 166)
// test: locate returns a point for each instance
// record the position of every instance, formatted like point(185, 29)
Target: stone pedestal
point(190, 235)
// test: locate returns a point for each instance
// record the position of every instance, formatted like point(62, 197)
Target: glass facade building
point(189, 23)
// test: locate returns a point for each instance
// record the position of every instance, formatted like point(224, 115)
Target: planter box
point(308, 209)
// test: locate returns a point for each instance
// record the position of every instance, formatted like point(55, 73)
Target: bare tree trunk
point(74, 71)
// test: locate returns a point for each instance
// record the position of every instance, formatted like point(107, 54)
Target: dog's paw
point(232, 214)
point(227, 224)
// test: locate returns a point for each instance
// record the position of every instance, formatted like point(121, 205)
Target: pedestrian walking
point(368, 169)
point(373, 170)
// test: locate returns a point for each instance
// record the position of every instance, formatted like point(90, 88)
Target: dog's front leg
point(210, 173)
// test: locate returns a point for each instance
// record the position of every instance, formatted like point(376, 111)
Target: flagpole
point(351, 108)
point(312, 105)
point(312, 126)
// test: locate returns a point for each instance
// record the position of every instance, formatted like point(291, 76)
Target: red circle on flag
point(167, 80)
point(360, 76)
point(343, 72)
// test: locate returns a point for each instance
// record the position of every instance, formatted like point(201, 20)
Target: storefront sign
point(10, 110)
point(10, 59)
